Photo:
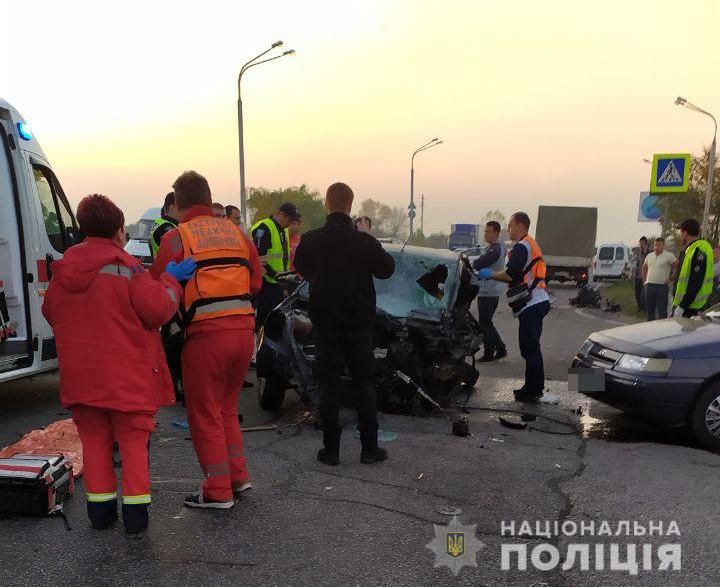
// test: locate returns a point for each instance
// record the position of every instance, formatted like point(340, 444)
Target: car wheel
point(272, 393)
point(705, 417)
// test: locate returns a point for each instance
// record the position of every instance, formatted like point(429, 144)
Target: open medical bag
point(34, 484)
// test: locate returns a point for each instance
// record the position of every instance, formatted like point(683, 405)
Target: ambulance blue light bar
point(24, 131)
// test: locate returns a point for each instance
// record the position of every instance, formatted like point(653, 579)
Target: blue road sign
point(670, 173)
point(649, 210)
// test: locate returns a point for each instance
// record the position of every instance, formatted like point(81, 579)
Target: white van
point(139, 243)
point(37, 225)
point(612, 261)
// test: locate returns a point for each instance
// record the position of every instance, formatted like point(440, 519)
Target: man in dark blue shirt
point(490, 292)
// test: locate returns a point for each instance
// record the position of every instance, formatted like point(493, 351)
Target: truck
point(465, 236)
point(566, 235)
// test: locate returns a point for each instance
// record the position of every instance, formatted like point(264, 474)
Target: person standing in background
point(168, 220)
point(233, 214)
point(525, 275)
point(340, 264)
point(658, 273)
point(218, 210)
point(490, 292)
point(294, 240)
point(696, 274)
point(638, 273)
point(271, 239)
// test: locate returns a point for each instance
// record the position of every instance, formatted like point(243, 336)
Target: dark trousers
point(270, 296)
point(491, 339)
point(640, 294)
point(172, 344)
point(656, 300)
point(335, 349)
point(531, 324)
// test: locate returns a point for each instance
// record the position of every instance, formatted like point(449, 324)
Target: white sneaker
point(196, 500)
point(243, 488)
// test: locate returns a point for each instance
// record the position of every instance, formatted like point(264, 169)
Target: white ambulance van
point(37, 226)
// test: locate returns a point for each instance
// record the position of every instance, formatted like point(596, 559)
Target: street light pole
point(711, 162)
point(411, 213)
point(241, 139)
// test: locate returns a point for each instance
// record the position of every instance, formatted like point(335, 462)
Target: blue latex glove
point(485, 273)
point(182, 271)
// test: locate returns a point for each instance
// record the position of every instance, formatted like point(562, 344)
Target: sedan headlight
point(636, 364)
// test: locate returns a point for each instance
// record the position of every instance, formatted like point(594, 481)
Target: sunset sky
point(537, 102)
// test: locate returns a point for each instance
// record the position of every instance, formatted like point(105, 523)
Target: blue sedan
point(667, 371)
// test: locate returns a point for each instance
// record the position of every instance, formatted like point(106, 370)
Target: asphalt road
point(308, 524)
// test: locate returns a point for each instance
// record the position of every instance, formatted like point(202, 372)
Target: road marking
point(579, 312)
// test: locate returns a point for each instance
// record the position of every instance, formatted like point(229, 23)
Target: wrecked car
point(424, 335)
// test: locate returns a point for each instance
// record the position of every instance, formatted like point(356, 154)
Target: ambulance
point(37, 226)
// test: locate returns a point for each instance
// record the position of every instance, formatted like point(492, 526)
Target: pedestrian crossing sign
point(670, 173)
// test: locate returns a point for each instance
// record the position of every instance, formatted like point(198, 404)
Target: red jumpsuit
point(105, 311)
point(215, 360)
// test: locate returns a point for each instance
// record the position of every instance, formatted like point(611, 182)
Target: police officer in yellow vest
point(169, 218)
point(695, 280)
point(171, 333)
point(271, 238)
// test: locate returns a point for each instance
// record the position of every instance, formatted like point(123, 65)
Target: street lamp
point(711, 163)
point(241, 146)
point(411, 214)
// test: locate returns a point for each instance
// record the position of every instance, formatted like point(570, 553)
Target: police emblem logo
point(455, 546)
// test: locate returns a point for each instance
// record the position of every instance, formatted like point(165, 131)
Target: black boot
point(135, 517)
point(370, 452)
point(102, 514)
point(330, 454)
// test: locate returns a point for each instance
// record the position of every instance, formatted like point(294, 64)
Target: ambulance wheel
point(272, 393)
point(705, 417)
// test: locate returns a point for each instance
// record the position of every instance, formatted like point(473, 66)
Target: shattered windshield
point(422, 282)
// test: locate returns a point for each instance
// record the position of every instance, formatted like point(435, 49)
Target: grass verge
point(623, 293)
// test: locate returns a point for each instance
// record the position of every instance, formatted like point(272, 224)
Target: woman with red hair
point(105, 310)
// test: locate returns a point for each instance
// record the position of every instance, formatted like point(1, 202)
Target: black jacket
point(340, 263)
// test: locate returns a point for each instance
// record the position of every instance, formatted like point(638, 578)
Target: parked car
point(612, 261)
point(424, 335)
point(666, 370)
point(139, 243)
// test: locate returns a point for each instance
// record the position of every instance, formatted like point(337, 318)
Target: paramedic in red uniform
point(106, 311)
point(219, 345)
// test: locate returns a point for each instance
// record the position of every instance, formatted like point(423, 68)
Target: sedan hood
point(675, 337)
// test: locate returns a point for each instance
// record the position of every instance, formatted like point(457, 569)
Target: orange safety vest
point(536, 277)
point(221, 284)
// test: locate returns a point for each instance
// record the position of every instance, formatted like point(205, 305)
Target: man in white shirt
point(658, 273)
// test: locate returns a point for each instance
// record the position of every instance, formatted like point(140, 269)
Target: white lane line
point(579, 312)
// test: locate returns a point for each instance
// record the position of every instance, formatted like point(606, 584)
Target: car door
point(59, 231)
point(16, 339)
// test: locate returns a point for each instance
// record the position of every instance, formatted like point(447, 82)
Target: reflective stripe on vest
point(157, 224)
point(117, 270)
point(222, 306)
point(684, 278)
point(221, 284)
point(276, 257)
